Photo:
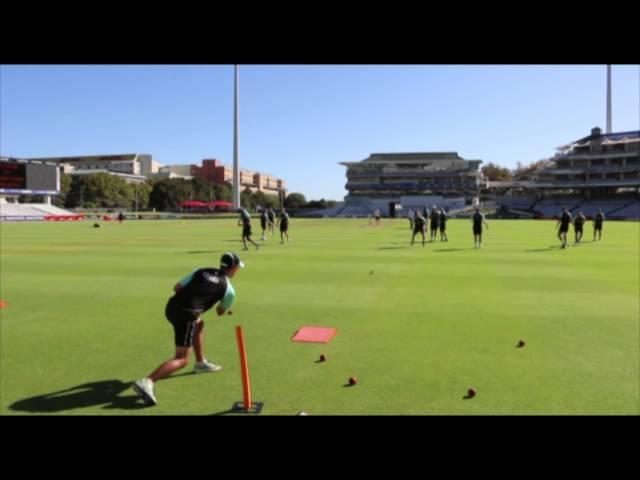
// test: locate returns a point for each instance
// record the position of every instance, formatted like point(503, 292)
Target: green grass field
point(85, 317)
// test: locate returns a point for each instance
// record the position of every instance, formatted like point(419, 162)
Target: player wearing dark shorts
point(410, 215)
point(598, 220)
point(434, 223)
point(478, 220)
point(419, 226)
point(443, 226)
point(245, 221)
point(272, 219)
point(283, 220)
point(578, 224)
point(563, 223)
point(194, 294)
point(264, 222)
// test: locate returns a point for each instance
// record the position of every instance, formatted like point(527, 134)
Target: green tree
point(141, 193)
point(295, 200)
point(222, 192)
point(166, 194)
point(264, 200)
point(322, 203)
point(496, 173)
point(98, 189)
point(246, 199)
point(526, 172)
point(65, 187)
point(201, 189)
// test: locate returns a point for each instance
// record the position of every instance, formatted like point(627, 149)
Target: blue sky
point(298, 121)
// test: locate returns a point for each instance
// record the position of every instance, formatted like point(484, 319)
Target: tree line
point(496, 173)
point(101, 190)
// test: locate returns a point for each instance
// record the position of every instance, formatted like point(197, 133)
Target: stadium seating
point(34, 211)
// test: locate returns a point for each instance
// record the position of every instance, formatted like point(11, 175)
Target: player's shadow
point(224, 412)
point(201, 251)
point(548, 249)
point(451, 250)
point(393, 248)
point(92, 394)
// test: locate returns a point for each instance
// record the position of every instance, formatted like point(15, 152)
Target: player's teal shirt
point(229, 294)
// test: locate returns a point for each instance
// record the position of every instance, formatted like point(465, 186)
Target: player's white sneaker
point(144, 388)
point(206, 366)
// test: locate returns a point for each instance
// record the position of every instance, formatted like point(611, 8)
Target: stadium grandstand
point(601, 170)
point(21, 177)
point(389, 181)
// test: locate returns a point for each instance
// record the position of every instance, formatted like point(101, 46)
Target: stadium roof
point(409, 157)
point(632, 136)
point(402, 157)
point(106, 157)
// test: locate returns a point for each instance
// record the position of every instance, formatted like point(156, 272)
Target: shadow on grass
point(452, 250)
point(550, 248)
point(92, 394)
point(238, 409)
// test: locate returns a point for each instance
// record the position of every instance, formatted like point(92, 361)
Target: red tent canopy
point(220, 203)
point(192, 203)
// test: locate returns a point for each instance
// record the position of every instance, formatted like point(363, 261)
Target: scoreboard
point(29, 178)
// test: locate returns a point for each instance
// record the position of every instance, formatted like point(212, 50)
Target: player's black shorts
point(263, 224)
point(184, 324)
point(578, 229)
point(598, 227)
point(246, 231)
point(418, 230)
point(284, 227)
point(477, 231)
point(564, 228)
point(434, 226)
point(377, 217)
point(443, 227)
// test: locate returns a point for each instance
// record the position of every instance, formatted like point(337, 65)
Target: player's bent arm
point(227, 300)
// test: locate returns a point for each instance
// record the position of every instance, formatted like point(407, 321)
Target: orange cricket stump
point(246, 406)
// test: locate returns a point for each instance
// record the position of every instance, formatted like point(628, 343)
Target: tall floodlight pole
point(608, 98)
point(236, 167)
